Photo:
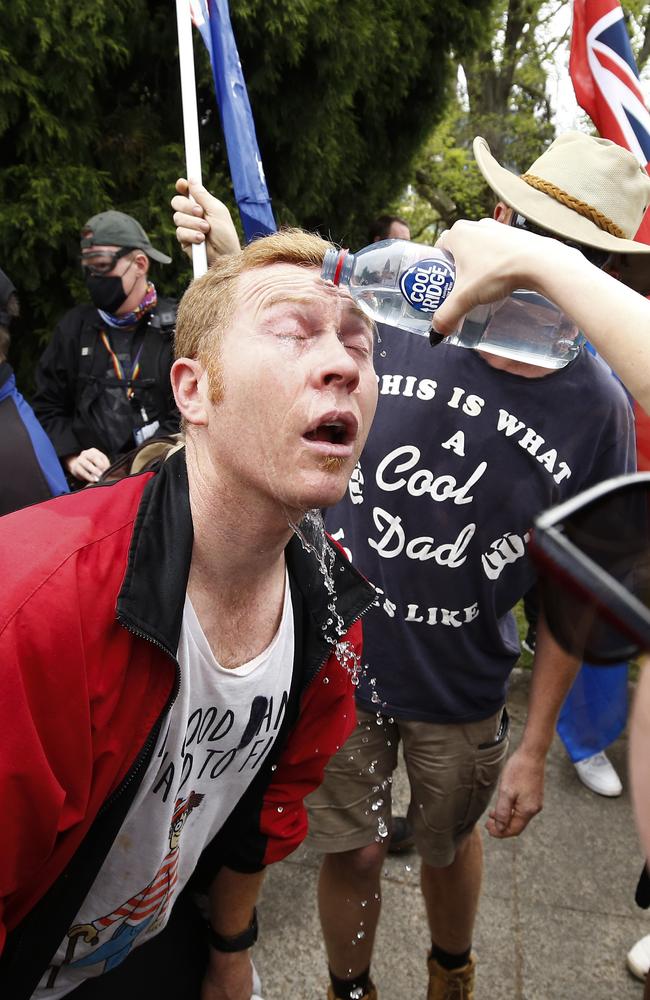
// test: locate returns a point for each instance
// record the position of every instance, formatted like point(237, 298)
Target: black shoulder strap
point(164, 317)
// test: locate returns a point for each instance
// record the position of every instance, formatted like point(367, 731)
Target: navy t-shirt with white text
point(460, 459)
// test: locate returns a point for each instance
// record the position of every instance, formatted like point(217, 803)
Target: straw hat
point(581, 188)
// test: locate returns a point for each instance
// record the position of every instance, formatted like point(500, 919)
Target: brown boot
point(370, 995)
point(454, 984)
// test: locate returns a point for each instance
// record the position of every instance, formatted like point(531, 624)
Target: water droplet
point(356, 993)
point(374, 697)
point(383, 354)
point(360, 935)
point(377, 805)
point(326, 680)
point(364, 902)
point(407, 868)
point(364, 739)
point(280, 809)
point(382, 829)
point(274, 767)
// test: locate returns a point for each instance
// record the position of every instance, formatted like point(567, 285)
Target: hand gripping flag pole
point(190, 115)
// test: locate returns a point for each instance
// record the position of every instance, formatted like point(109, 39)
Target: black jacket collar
point(150, 602)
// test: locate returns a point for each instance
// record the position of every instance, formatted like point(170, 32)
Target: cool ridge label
point(426, 285)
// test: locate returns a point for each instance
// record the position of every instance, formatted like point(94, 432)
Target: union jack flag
point(606, 80)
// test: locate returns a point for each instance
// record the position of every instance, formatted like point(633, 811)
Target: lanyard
point(117, 365)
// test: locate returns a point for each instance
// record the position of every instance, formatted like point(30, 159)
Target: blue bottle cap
point(426, 284)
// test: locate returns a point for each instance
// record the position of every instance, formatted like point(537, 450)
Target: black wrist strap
point(240, 942)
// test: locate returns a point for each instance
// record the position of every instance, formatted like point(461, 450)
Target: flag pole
point(190, 115)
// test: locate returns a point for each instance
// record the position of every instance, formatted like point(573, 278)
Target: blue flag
point(212, 19)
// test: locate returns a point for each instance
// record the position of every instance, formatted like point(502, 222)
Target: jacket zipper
point(155, 729)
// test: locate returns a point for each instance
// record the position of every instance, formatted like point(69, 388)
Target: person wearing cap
point(467, 447)
point(102, 383)
point(29, 468)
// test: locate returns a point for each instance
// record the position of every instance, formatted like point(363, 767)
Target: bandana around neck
point(148, 303)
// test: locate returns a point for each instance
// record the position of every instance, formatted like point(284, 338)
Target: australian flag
point(606, 80)
point(212, 18)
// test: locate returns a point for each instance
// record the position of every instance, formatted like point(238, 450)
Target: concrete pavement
point(557, 914)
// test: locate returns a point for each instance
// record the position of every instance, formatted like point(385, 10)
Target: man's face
point(300, 388)
point(115, 276)
point(398, 231)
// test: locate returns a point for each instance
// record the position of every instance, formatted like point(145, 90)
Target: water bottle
point(525, 327)
point(394, 281)
point(402, 284)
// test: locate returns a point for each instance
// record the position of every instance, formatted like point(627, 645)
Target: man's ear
point(141, 262)
point(190, 385)
point(501, 212)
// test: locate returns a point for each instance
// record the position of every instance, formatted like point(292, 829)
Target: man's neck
point(239, 537)
point(237, 574)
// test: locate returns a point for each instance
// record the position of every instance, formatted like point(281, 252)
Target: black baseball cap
point(119, 230)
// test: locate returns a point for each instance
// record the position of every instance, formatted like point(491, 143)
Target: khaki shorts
point(452, 771)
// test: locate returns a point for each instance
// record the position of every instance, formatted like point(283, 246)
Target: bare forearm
point(613, 317)
point(233, 896)
point(493, 259)
point(553, 674)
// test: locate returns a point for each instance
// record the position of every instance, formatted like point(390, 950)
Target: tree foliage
point(343, 95)
point(504, 99)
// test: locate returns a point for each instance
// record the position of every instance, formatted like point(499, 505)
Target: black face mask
point(107, 292)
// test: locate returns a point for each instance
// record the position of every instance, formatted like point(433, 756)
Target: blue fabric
point(244, 157)
point(43, 448)
point(595, 711)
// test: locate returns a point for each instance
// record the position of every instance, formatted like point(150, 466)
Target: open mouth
point(335, 433)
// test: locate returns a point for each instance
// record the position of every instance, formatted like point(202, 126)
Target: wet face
point(300, 388)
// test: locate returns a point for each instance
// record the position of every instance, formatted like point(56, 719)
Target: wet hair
point(380, 227)
point(207, 308)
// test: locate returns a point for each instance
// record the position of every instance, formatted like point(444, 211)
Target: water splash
point(312, 537)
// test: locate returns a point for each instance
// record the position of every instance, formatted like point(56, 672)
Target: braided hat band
point(575, 204)
point(581, 188)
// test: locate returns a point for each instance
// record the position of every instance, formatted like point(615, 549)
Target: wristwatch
point(240, 942)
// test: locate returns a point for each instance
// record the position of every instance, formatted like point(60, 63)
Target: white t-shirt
point(221, 727)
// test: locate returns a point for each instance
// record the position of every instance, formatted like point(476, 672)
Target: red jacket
point(94, 585)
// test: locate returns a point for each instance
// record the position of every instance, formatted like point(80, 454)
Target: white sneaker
point(599, 776)
point(638, 958)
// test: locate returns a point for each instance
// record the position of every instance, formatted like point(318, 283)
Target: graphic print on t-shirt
point(219, 732)
point(146, 910)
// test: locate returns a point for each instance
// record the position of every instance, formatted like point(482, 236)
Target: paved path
point(557, 914)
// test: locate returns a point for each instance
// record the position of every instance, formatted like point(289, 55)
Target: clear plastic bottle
point(402, 284)
point(394, 281)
